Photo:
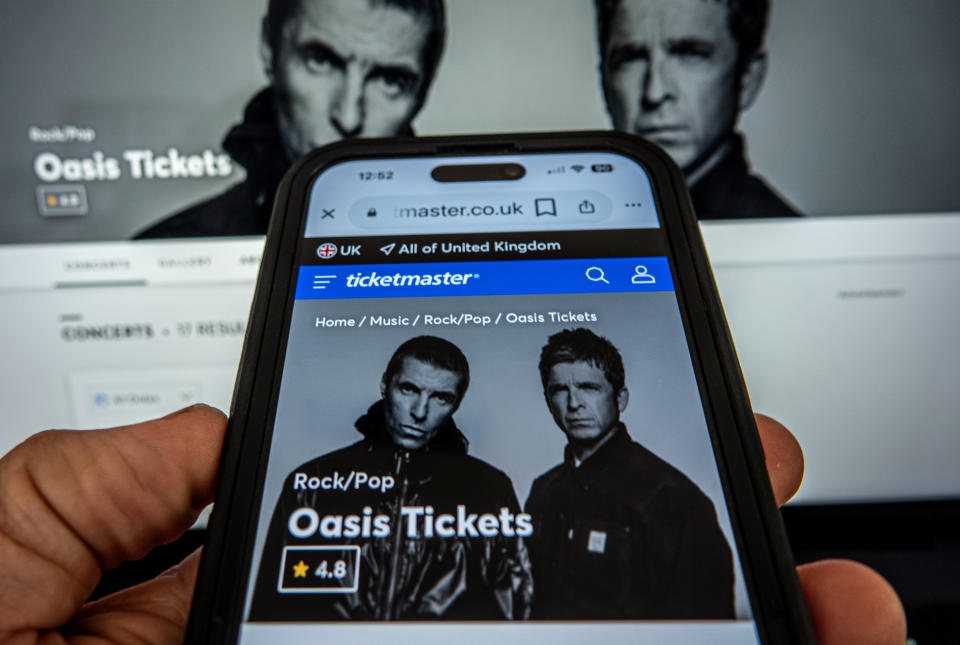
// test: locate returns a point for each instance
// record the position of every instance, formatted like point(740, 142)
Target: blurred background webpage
point(176, 120)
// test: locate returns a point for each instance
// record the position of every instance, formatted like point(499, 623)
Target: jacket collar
point(255, 143)
point(605, 455)
point(732, 162)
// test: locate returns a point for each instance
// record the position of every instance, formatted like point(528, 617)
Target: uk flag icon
point(326, 250)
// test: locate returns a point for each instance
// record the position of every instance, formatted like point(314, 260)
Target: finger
point(851, 604)
point(783, 456)
point(154, 612)
point(76, 502)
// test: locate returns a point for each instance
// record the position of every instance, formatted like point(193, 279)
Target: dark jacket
point(245, 208)
point(402, 577)
point(626, 536)
point(729, 191)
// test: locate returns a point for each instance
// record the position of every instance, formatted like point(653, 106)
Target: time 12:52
point(371, 175)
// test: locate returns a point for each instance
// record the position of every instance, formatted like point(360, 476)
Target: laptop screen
point(141, 153)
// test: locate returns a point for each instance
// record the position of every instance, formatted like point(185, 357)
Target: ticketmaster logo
point(408, 279)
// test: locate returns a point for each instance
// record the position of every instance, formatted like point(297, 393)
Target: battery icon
point(65, 199)
point(602, 167)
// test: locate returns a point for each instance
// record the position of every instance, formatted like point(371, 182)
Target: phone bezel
point(761, 540)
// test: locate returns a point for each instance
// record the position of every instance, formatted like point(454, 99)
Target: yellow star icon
point(300, 569)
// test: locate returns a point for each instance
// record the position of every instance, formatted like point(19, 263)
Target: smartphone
point(487, 392)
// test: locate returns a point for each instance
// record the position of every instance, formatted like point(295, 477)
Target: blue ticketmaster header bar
point(510, 277)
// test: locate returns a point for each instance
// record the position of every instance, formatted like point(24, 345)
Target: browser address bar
point(460, 210)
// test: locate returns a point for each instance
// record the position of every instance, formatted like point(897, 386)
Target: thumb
point(153, 612)
point(73, 503)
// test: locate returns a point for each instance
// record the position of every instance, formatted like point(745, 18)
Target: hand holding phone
point(849, 603)
point(488, 380)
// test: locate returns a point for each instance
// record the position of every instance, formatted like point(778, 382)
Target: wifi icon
point(577, 168)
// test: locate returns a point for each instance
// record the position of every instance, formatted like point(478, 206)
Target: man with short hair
point(680, 72)
point(618, 532)
point(439, 535)
point(337, 69)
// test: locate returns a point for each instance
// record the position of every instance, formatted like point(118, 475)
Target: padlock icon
point(372, 212)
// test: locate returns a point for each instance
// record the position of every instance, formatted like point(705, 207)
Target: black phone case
point(768, 566)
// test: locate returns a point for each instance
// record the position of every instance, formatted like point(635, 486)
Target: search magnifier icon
point(595, 274)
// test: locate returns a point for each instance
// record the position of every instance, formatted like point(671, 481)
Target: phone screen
point(489, 418)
